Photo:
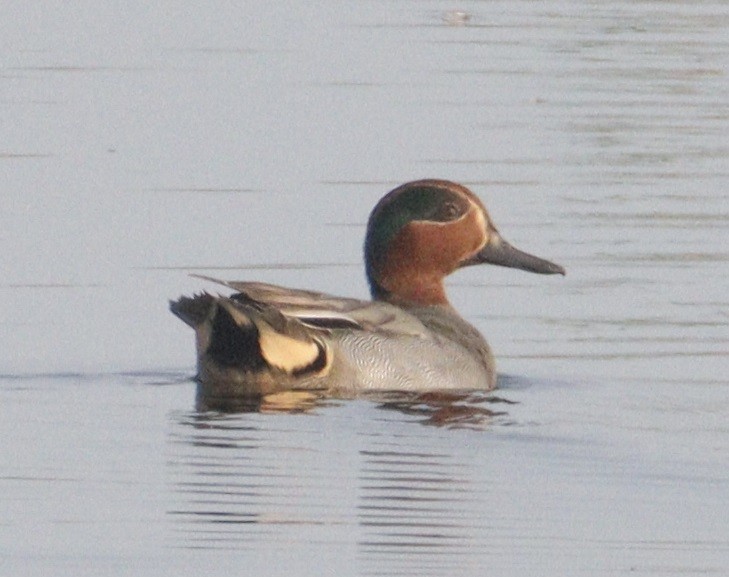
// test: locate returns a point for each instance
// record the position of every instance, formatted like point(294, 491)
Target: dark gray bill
point(501, 253)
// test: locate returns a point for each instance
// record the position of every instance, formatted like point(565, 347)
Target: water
point(250, 142)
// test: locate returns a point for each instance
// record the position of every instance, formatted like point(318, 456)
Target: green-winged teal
point(265, 339)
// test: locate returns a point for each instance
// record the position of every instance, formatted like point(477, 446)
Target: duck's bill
point(501, 253)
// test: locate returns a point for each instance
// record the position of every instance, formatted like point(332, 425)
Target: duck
point(266, 339)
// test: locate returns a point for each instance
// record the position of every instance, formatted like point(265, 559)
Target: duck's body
point(265, 339)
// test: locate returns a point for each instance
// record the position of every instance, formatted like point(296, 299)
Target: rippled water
point(142, 143)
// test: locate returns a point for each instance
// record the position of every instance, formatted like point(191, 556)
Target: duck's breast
point(428, 361)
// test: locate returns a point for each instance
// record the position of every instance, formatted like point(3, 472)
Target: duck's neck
point(410, 291)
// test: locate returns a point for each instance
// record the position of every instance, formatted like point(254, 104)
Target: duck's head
point(424, 230)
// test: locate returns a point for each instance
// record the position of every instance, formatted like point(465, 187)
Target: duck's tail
point(246, 347)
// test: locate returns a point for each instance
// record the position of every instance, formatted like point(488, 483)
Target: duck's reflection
point(446, 409)
point(320, 473)
point(454, 409)
point(283, 402)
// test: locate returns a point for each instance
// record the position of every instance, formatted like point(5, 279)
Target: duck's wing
point(326, 312)
point(266, 338)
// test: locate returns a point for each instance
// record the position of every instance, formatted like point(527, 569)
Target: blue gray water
point(144, 142)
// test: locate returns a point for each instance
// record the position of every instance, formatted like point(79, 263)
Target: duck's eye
point(450, 211)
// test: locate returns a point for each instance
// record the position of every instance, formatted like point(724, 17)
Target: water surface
point(250, 142)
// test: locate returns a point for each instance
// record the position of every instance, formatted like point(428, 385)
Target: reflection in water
point(445, 409)
point(415, 509)
point(283, 402)
point(452, 409)
point(226, 483)
point(302, 476)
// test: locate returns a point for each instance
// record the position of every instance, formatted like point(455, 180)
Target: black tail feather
point(193, 310)
point(235, 345)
